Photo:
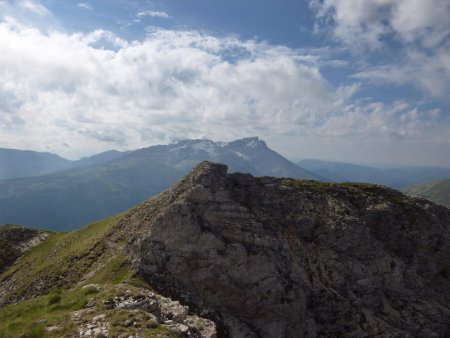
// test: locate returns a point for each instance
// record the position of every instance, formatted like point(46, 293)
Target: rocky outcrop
point(134, 312)
point(268, 257)
point(15, 241)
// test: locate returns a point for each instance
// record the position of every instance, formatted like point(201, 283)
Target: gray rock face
point(268, 257)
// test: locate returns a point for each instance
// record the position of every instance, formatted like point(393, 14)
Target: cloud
point(417, 32)
point(114, 136)
point(369, 23)
point(85, 5)
point(431, 73)
point(153, 14)
point(96, 91)
point(34, 6)
point(400, 120)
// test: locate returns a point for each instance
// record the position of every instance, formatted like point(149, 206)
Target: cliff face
point(268, 257)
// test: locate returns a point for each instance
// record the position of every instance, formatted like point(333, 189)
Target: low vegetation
point(29, 319)
point(67, 280)
point(437, 191)
point(65, 259)
point(357, 192)
point(63, 313)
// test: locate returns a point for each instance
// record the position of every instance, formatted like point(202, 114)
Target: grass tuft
point(34, 332)
point(54, 299)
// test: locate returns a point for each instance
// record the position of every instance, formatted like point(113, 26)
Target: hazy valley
point(55, 193)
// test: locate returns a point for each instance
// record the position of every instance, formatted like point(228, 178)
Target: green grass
point(66, 272)
point(32, 317)
point(145, 322)
point(295, 183)
point(327, 185)
point(63, 258)
point(331, 187)
point(114, 271)
point(63, 244)
point(437, 191)
point(29, 318)
point(357, 190)
point(55, 298)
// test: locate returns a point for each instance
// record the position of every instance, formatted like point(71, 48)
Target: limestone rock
point(269, 257)
point(134, 310)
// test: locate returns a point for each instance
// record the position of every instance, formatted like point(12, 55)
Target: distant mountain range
point(393, 177)
point(108, 183)
point(45, 190)
point(16, 163)
point(22, 163)
point(437, 191)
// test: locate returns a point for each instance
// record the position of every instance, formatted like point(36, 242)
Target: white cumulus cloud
point(417, 31)
point(33, 6)
point(154, 14)
point(71, 94)
point(369, 22)
point(85, 5)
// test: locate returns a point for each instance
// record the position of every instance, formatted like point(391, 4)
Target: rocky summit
point(270, 257)
point(232, 255)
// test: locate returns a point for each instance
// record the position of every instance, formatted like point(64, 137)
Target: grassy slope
point(65, 259)
point(53, 315)
point(92, 255)
point(58, 247)
point(436, 191)
point(29, 318)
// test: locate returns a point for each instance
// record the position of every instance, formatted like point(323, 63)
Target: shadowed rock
point(270, 257)
point(15, 241)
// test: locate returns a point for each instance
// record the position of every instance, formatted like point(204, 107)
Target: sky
point(343, 80)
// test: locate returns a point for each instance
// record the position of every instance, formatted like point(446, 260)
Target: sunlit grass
point(31, 317)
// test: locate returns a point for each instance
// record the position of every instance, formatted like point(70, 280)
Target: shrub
point(54, 299)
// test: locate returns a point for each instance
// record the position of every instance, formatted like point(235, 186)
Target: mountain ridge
point(437, 191)
point(17, 163)
point(398, 177)
point(71, 198)
point(264, 256)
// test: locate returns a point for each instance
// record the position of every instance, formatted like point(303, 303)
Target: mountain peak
point(250, 250)
point(192, 141)
point(249, 142)
point(111, 182)
point(208, 174)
